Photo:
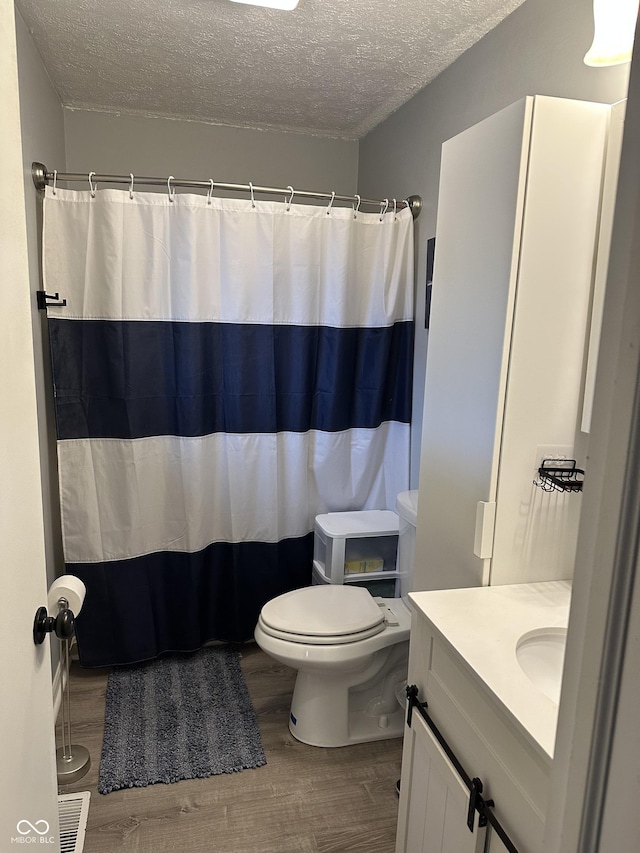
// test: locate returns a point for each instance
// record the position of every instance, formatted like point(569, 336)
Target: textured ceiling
point(330, 67)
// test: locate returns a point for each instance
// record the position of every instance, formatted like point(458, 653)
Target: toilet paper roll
point(69, 587)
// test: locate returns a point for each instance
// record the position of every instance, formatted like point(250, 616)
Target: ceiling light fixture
point(287, 5)
point(615, 24)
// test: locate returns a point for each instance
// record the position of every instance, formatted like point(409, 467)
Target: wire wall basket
point(560, 475)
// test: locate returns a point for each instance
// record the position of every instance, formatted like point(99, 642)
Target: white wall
point(537, 50)
point(120, 144)
point(26, 711)
point(43, 140)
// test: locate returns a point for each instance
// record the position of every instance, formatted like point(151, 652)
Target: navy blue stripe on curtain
point(132, 379)
point(140, 608)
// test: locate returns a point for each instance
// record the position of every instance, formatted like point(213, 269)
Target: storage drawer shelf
point(344, 540)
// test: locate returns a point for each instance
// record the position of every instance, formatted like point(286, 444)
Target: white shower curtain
point(224, 371)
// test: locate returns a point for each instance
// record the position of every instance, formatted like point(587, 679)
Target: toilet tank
point(406, 507)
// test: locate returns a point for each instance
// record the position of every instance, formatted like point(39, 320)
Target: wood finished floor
point(305, 800)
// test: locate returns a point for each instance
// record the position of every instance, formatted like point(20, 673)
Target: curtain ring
point(384, 206)
point(333, 195)
point(131, 185)
point(172, 192)
point(92, 186)
point(211, 186)
point(356, 207)
point(55, 180)
point(253, 201)
point(290, 200)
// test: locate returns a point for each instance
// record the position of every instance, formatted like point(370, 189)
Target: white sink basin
point(540, 654)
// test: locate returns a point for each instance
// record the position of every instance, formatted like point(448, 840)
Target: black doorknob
point(62, 625)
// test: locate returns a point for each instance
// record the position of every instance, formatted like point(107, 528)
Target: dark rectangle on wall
point(133, 379)
point(431, 252)
point(138, 609)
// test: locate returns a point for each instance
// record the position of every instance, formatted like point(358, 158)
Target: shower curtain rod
point(43, 176)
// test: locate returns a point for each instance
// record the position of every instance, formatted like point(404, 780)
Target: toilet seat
point(323, 615)
point(315, 640)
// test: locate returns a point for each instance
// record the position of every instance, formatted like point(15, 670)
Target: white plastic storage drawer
point(357, 547)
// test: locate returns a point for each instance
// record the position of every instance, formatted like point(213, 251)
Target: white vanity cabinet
point(497, 724)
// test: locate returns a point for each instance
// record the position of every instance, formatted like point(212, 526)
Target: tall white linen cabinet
point(515, 252)
point(518, 219)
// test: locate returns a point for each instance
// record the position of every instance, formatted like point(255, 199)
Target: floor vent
point(73, 811)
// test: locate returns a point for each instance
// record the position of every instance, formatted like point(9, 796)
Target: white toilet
point(351, 652)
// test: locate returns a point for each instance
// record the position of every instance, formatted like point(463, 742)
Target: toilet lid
point(330, 612)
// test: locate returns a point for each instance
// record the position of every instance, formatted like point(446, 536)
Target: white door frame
point(598, 747)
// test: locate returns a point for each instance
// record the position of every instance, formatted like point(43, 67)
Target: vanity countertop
point(483, 625)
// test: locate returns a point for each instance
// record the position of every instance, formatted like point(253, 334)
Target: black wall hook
point(45, 299)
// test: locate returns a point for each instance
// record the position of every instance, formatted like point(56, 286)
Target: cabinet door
point(482, 183)
point(433, 799)
point(609, 193)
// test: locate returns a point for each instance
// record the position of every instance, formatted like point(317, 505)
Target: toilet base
point(331, 711)
point(362, 729)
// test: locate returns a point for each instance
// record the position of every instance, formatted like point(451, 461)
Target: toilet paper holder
point(72, 761)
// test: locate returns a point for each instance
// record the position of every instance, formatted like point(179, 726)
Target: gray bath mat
point(178, 717)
